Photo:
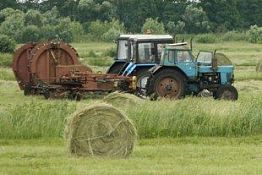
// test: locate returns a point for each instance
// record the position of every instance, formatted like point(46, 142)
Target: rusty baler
point(53, 70)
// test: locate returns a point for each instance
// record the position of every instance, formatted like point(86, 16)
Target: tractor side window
point(183, 56)
point(146, 53)
point(132, 48)
point(122, 50)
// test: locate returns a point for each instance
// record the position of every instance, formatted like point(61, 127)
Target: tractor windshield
point(179, 56)
point(146, 53)
point(122, 50)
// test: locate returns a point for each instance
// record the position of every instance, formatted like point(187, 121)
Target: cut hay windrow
point(122, 99)
point(100, 130)
point(259, 66)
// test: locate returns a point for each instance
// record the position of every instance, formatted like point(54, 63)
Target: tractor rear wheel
point(226, 93)
point(168, 84)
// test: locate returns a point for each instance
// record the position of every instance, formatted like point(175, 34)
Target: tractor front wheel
point(226, 93)
point(142, 77)
point(168, 84)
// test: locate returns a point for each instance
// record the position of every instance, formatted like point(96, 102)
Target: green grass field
point(190, 136)
point(183, 156)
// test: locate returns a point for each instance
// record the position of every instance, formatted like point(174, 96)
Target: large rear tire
point(226, 93)
point(168, 84)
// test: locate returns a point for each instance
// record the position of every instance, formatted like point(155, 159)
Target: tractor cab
point(144, 53)
point(179, 55)
point(122, 54)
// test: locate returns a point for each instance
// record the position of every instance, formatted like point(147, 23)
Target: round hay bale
point(100, 130)
point(259, 66)
point(122, 99)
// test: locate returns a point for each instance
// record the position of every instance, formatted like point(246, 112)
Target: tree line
point(24, 21)
point(180, 16)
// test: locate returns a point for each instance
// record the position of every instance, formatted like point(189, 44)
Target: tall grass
point(35, 120)
point(188, 117)
point(207, 38)
point(5, 59)
point(198, 117)
point(6, 74)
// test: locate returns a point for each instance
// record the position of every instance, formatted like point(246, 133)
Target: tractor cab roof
point(151, 38)
point(178, 46)
point(126, 36)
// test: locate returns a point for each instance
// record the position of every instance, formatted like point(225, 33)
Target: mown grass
point(243, 73)
point(183, 156)
point(240, 53)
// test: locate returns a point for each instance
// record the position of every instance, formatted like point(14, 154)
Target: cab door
point(184, 60)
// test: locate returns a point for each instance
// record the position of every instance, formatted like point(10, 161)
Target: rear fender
point(131, 68)
point(155, 69)
point(158, 68)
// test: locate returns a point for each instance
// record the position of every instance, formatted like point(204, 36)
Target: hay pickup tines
point(53, 69)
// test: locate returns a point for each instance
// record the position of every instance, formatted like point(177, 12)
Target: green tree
point(8, 3)
point(196, 20)
point(177, 28)
point(98, 28)
point(255, 34)
point(30, 33)
point(33, 17)
point(51, 17)
point(7, 44)
point(223, 14)
point(250, 12)
point(91, 10)
point(153, 26)
point(116, 28)
point(77, 30)
point(14, 22)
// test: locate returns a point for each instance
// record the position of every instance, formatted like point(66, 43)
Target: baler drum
point(45, 58)
point(21, 63)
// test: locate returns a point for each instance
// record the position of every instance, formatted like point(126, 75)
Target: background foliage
point(81, 20)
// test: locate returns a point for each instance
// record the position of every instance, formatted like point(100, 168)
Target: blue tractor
point(137, 54)
point(180, 74)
